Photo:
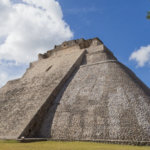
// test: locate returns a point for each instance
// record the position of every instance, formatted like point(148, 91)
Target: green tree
point(148, 15)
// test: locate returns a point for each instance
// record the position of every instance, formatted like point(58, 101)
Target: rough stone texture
point(21, 99)
point(101, 101)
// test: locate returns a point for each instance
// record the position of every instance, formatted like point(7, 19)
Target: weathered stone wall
point(24, 101)
point(97, 53)
point(101, 101)
point(78, 91)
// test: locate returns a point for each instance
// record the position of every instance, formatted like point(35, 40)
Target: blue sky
point(120, 24)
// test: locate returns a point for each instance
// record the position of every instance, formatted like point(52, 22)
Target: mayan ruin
point(78, 91)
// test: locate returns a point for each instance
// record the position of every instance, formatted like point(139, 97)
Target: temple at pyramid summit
point(78, 91)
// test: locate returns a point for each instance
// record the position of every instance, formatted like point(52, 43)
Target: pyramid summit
point(77, 91)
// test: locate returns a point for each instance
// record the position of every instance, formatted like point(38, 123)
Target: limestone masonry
point(77, 91)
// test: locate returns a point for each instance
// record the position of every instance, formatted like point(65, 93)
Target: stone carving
point(77, 91)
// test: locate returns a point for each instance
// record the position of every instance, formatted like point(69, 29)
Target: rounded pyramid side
point(102, 101)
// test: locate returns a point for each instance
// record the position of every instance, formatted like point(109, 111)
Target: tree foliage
point(148, 15)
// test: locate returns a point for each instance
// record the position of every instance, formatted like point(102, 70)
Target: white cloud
point(10, 70)
point(30, 28)
point(141, 56)
point(27, 29)
point(3, 78)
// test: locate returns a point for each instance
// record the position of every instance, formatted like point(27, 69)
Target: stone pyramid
point(77, 91)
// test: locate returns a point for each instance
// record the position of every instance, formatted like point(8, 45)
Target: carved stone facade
point(77, 91)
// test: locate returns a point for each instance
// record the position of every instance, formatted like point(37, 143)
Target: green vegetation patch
point(8, 141)
point(53, 145)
